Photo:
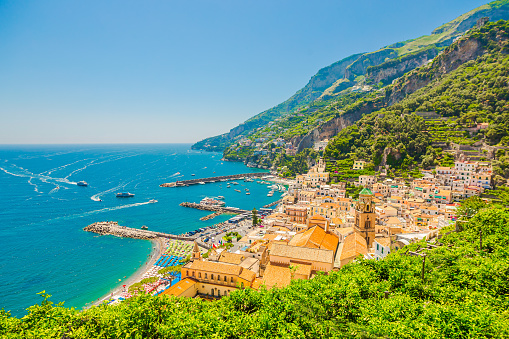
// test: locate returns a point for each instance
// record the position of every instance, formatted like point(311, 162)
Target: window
point(212, 276)
point(225, 278)
point(193, 273)
point(205, 275)
point(199, 275)
point(232, 279)
point(218, 277)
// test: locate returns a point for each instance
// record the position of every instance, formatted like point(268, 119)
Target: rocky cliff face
point(464, 50)
point(332, 127)
point(359, 66)
point(390, 70)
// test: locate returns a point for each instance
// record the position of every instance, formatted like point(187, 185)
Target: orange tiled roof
point(180, 287)
point(231, 258)
point(247, 275)
point(354, 245)
point(315, 237)
point(216, 267)
point(277, 276)
point(302, 253)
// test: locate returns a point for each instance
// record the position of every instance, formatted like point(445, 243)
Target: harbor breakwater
point(218, 209)
point(113, 228)
point(214, 179)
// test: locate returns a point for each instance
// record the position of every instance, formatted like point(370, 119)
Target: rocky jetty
point(210, 216)
point(211, 208)
point(113, 228)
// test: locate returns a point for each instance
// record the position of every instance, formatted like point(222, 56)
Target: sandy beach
point(158, 247)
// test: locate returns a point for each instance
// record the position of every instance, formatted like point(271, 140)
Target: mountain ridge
point(362, 69)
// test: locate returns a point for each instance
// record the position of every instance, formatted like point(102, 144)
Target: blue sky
point(167, 71)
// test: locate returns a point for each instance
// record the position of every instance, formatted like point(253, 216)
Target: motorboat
point(220, 197)
point(124, 195)
point(82, 183)
point(201, 183)
point(153, 201)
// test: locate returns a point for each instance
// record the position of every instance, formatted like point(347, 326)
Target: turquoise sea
point(43, 212)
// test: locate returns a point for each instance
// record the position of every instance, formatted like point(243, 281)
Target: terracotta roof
point(383, 241)
point(215, 267)
point(317, 217)
point(353, 245)
point(256, 283)
point(344, 230)
point(276, 276)
point(180, 287)
point(393, 220)
point(337, 221)
point(304, 269)
point(247, 275)
point(270, 237)
point(316, 237)
point(302, 253)
point(231, 258)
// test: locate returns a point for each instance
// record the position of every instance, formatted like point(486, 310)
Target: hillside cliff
point(381, 66)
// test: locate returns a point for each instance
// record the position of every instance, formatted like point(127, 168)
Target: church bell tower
point(365, 216)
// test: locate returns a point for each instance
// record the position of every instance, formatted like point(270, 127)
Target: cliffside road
point(213, 179)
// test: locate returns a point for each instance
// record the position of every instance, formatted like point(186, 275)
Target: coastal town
point(315, 227)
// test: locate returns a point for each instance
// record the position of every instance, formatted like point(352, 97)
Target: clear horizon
point(177, 72)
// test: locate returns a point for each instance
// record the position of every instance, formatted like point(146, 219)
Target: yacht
point(82, 183)
point(211, 202)
point(271, 193)
point(124, 195)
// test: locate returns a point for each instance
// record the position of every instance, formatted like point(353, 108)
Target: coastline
point(156, 252)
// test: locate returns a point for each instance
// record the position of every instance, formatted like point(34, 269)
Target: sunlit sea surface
point(43, 212)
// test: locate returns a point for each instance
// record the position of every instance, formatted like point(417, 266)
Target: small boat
point(220, 197)
point(82, 183)
point(124, 195)
point(144, 227)
point(193, 175)
point(228, 186)
point(237, 191)
point(152, 201)
point(235, 183)
point(246, 189)
point(201, 183)
point(247, 193)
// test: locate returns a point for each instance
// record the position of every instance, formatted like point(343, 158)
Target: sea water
point(43, 213)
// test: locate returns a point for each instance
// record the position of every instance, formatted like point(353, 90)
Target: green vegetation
point(255, 217)
point(476, 92)
point(336, 81)
point(290, 166)
point(464, 294)
point(382, 138)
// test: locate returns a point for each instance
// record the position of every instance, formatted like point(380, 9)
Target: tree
point(255, 217)
point(469, 207)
